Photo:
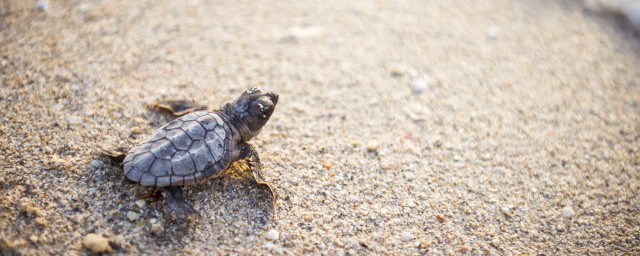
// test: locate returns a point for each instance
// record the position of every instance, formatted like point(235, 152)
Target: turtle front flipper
point(176, 206)
point(178, 107)
point(253, 160)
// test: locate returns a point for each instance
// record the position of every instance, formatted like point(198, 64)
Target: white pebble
point(305, 32)
point(42, 5)
point(493, 32)
point(269, 245)
point(567, 212)
point(273, 235)
point(419, 85)
point(74, 120)
point(410, 203)
point(132, 216)
point(406, 236)
point(140, 203)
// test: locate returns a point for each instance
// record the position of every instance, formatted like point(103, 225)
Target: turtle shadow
point(230, 199)
point(227, 207)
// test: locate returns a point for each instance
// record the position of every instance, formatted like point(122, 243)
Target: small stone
point(157, 228)
point(133, 216)
point(96, 243)
point(398, 71)
point(297, 33)
point(141, 203)
point(136, 130)
point(493, 32)
point(308, 217)
point(96, 164)
point(410, 203)
point(567, 212)
point(373, 146)
point(419, 85)
point(273, 235)
point(406, 236)
point(42, 5)
point(440, 218)
point(74, 120)
point(269, 245)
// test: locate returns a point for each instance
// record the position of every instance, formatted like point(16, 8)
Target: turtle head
point(252, 110)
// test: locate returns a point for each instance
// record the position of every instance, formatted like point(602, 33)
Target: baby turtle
point(200, 145)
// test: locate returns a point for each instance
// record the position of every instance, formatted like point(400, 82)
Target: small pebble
point(73, 120)
point(406, 236)
point(398, 71)
point(308, 217)
point(373, 146)
point(493, 32)
point(157, 228)
point(269, 245)
point(410, 203)
point(132, 216)
point(141, 203)
point(42, 5)
point(96, 164)
point(273, 235)
point(567, 212)
point(96, 243)
point(419, 85)
point(297, 33)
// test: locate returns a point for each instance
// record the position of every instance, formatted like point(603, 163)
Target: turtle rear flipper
point(115, 155)
point(178, 107)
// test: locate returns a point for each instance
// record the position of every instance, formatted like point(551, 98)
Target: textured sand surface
point(498, 127)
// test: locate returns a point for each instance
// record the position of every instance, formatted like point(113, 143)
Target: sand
point(440, 127)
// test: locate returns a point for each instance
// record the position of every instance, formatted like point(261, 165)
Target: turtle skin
point(188, 150)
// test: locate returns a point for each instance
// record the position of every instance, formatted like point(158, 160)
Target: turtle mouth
point(273, 97)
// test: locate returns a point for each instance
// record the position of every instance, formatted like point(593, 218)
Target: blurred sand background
point(412, 127)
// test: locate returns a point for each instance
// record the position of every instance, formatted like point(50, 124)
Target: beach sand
point(404, 128)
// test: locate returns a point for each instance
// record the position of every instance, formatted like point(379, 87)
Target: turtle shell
point(185, 151)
